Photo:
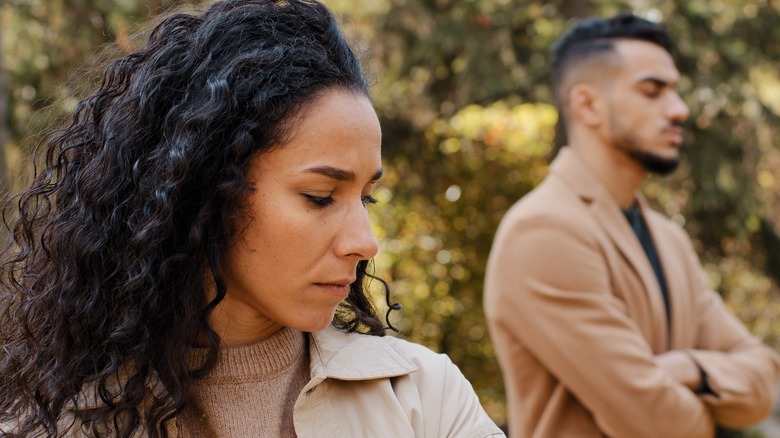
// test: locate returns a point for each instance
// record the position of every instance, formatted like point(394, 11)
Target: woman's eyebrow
point(340, 174)
point(333, 172)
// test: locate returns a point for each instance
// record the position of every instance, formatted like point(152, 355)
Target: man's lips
point(674, 134)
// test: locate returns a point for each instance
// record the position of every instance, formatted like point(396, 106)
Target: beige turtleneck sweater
point(251, 391)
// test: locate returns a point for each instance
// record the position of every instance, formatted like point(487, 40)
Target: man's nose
point(677, 110)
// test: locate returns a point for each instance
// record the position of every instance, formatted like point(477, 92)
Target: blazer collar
point(349, 356)
point(569, 167)
point(575, 173)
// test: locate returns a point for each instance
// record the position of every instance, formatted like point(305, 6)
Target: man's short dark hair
point(594, 36)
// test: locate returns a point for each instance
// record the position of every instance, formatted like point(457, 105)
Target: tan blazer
point(576, 315)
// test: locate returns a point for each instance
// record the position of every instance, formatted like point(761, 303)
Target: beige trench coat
point(366, 386)
point(577, 316)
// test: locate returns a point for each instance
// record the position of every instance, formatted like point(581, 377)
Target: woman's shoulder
point(406, 357)
point(418, 354)
point(353, 356)
point(422, 381)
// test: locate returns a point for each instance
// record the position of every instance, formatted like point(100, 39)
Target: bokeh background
point(462, 88)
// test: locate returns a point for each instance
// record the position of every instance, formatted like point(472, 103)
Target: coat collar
point(350, 356)
point(575, 173)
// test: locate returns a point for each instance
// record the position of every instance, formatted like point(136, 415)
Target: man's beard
point(648, 160)
point(653, 163)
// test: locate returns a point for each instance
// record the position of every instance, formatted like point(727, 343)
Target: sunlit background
point(462, 88)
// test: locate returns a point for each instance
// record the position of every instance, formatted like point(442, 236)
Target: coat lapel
point(607, 213)
point(343, 356)
point(676, 272)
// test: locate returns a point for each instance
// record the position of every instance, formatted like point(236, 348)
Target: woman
point(191, 257)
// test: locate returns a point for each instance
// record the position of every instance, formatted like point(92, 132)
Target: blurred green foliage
point(462, 90)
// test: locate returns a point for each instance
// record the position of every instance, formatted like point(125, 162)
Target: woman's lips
point(339, 289)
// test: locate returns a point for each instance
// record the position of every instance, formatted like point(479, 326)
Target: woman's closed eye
point(324, 201)
point(319, 201)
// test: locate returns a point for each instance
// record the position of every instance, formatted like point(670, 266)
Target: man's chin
point(654, 163)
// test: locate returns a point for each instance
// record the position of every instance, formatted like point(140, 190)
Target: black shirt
point(634, 217)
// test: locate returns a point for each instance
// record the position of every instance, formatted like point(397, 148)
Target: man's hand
point(681, 367)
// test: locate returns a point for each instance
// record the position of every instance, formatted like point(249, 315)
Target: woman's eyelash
point(320, 201)
point(324, 201)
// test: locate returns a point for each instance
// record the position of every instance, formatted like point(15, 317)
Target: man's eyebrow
point(655, 81)
point(340, 174)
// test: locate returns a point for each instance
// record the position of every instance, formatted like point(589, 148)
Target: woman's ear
point(587, 105)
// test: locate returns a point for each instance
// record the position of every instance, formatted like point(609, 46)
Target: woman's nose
point(356, 239)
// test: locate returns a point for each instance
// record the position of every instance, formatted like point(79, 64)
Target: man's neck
point(621, 175)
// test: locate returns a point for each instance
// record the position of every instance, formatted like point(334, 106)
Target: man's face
point(645, 111)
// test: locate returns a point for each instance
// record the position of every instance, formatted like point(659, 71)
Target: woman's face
point(307, 225)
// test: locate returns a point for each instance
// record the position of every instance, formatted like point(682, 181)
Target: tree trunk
point(5, 132)
point(155, 7)
point(576, 8)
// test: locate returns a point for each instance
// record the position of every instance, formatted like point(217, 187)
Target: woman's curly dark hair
point(134, 205)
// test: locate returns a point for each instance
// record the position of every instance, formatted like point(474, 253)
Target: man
point(599, 309)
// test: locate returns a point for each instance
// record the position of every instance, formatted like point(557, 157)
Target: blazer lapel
point(569, 167)
point(675, 273)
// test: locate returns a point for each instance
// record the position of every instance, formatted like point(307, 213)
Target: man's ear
point(587, 105)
